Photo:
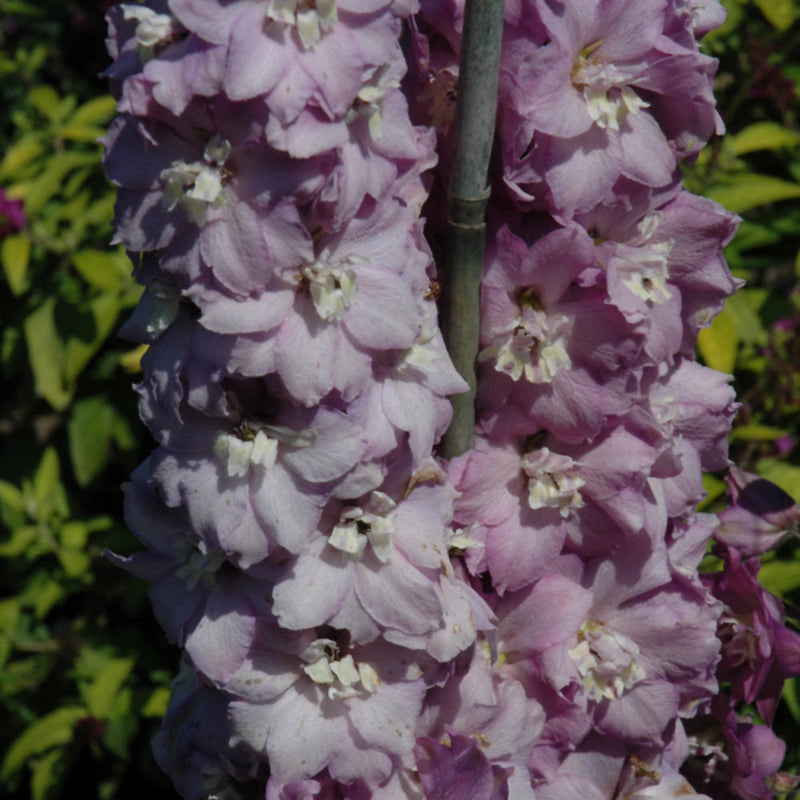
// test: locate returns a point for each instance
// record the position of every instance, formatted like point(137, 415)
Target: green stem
point(467, 198)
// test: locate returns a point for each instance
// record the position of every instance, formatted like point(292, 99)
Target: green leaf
point(780, 577)
point(759, 433)
point(46, 355)
point(156, 704)
point(99, 696)
point(742, 308)
point(20, 155)
point(73, 556)
point(45, 100)
point(714, 487)
point(752, 235)
point(46, 479)
point(21, 7)
point(96, 112)
point(46, 773)
point(80, 349)
point(75, 564)
point(73, 210)
point(11, 496)
point(50, 181)
point(122, 432)
point(74, 535)
point(10, 611)
point(82, 133)
point(751, 191)
point(779, 13)
point(96, 524)
point(42, 593)
point(107, 271)
point(89, 430)
point(100, 212)
point(122, 726)
point(718, 344)
point(15, 253)
point(763, 136)
point(50, 731)
point(20, 541)
point(791, 694)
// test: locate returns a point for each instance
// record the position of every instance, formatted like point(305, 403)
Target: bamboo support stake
point(467, 199)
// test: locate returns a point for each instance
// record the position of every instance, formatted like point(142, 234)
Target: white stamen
point(530, 347)
point(606, 660)
point(553, 481)
point(609, 98)
point(332, 286)
point(377, 83)
point(461, 539)
point(311, 19)
point(153, 29)
point(609, 107)
point(644, 270)
point(198, 185)
point(341, 675)
point(358, 527)
point(239, 455)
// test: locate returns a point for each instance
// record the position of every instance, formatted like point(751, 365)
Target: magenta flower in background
point(762, 515)
point(758, 652)
point(12, 215)
point(731, 755)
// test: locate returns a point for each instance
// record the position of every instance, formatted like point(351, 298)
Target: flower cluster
point(295, 383)
point(595, 423)
point(359, 619)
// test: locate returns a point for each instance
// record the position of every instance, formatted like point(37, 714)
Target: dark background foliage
point(84, 669)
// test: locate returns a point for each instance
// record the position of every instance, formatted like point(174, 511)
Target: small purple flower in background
point(758, 652)
point(760, 517)
point(12, 215)
point(732, 756)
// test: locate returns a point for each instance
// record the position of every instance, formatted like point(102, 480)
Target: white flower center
point(153, 29)
point(250, 446)
point(531, 347)
point(423, 354)
point(358, 527)
point(606, 660)
point(608, 97)
point(609, 107)
point(644, 270)
point(244, 450)
point(461, 539)
point(552, 481)
point(341, 675)
point(198, 185)
point(377, 83)
point(311, 17)
point(332, 286)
